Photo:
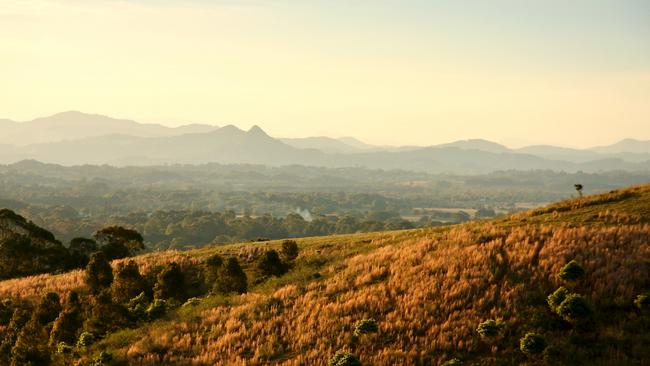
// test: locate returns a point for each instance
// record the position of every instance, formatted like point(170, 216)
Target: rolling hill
point(428, 290)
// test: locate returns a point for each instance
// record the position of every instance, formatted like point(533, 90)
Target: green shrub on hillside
point(289, 250)
point(86, 339)
point(342, 358)
point(532, 344)
point(365, 326)
point(574, 308)
point(270, 264)
point(571, 272)
point(453, 362)
point(490, 328)
point(555, 299)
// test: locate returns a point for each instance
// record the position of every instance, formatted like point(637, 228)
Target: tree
point(289, 250)
point(211, 268)
point(365, 326)
point(571, 272)
point(574, 308)
point(532, 344)
point(343, 358)
point(128, 282)
point(578, 188)
point(489, 328)
point(119, 242)
point(69, 321)
point(20, 317)
point(105, 315)
point(270, 264)
point(80, 250)
point(48, 308)
point(231, 278)
point(555, 299)
point(31, 347)
point(99, 274)
point(170, 284)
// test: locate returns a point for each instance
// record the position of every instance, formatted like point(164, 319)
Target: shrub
point(157, 309)
point(138, 307)
point(489, 328)
point(574, 308)
point(63, 348)
point(270, 264)
point(85, 339)
point(211, 268)
point(453, 362)
point(68, 322)
point(104, 358)
point(532, 344)
point(128, 282)
point(365, 326)
point(342, 358)
point(555, 299)
point(642, 301)
point(231, 278)
point(99, 274)
point(289, 250)
point(170, 283)
point(571, 272)
point(48, 308)
point(192, 302)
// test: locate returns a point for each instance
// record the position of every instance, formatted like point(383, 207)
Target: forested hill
point(566, 284)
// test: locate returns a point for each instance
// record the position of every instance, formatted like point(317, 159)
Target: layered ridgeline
point(563, 284)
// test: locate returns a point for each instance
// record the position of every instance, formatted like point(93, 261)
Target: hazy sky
point(569, 72)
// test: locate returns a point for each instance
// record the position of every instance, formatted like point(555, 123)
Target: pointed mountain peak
point(257, 131)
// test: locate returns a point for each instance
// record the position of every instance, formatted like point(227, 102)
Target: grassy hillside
point(428, 290)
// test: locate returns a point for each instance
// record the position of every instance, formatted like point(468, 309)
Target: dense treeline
point(59, 331)
point(27, 249)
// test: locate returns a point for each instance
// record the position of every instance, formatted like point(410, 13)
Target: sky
point(402, 72)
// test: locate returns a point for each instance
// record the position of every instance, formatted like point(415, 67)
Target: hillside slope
point(427, 289)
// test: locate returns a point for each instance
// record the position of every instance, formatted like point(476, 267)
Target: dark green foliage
point(231, 278)
point(137, 307)
point(31, 347)
point(128, 282)
point(99, 273)
point(80, 250)
point(270, 264)
point(64, 348)
point(69, 321)
point(490, 328)
point(105, 315)
point(289, 250)
point(642, 301)
point(48, 308)
point(22, 255)
point(86, 339)
point(6, 311)
point(18, 320)
point(33, 230)
point(170, 284)
point(555, 299)
point(157, 309)
point(342, 358)
point(104, 358)
point(119, 242)
point(365, 326)
point(571, 272)
point(211, 268)
point(532, 344)
point(574, 308)
point(453, 362)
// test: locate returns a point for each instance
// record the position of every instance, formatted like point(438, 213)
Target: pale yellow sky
point(387, 72)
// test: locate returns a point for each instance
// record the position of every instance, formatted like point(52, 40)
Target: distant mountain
point(75, 138)
point(324, 144)
point(477, 144)
point(625, 146)
point(76, 125)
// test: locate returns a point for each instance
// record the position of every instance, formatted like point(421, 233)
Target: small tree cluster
point(343, 358)
point(365, 326)
point(230, 277)
point(490, 328)
point(532, 344)
point(571, 272)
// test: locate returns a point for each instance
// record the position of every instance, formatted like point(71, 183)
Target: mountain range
point(75, 138)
